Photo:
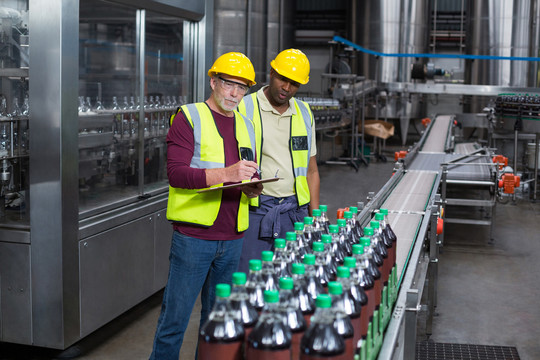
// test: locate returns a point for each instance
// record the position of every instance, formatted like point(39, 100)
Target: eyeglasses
point(229, 85)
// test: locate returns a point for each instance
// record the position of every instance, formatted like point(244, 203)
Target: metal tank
point(392, 26)
point(502, 28)
point(257, 28)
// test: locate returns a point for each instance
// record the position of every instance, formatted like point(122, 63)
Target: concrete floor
point(488, 293)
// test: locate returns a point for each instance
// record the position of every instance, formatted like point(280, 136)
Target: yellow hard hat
point(234, 64)
point(293, 64)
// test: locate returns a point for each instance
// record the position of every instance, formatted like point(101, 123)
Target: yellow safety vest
point(189, 206)
point(299, 142)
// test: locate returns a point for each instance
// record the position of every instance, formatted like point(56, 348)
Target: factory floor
point(487, 291)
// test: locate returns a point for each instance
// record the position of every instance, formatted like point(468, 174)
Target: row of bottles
point(282, 302)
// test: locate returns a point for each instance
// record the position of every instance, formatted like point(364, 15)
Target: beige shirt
point(276, 130)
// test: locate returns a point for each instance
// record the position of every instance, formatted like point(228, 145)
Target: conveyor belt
point(406, 205)
point(436, 140)
point(460, 171)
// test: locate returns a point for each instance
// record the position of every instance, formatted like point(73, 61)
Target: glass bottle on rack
point(222, 335)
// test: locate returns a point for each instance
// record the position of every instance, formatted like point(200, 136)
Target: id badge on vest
point(299, 143)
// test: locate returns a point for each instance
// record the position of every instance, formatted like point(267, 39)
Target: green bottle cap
point(384, 211)
point(342, 222)
point(358, 249)
point(368, 231)
point(279, 243)
point(239, 278)
point(290, 236)
point(316, 212)
point(298, 268)
point(374, 224)
point(379, 216)
point(334, 229)
point(335, 288)
point(308, 220)
point(271, 296)
point(347, 215)
point(255, 265)
point(326, 238)
point(318, 246)
point(267, 255)
point(298, 226)
point(324, 301)
point(223, 290)
point(323, 208)
point(309, 259)
point(343, 272)
point(286, 283)
point(349, 261)
point(365, 241)
point(353, 209)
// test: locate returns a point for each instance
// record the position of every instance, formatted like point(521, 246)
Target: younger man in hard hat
point(285, 146)
point(204, 147)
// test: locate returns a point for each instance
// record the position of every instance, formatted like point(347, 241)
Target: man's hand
point(252, 190)
point(242, 170)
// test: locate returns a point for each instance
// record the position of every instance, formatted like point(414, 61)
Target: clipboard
point(262, 181)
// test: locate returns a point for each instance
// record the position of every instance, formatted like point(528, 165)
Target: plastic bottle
point(303, 246)
point(331, 262)
point(358, 294)
point(389, 237)
point(372, 249)
point(239, 300)
point(356, 223)
point(342, 321)
point(309, 233)
point(351, 306)
point(267, 271)
point(289, 306)
point(352, 236)
point(281, 259)
point(373, 269)
point(292, 248)
point(222, 335)
point(306, 303)
point(271, 337)
point(324, 218)
point(255, 284)
point(314, 286)
point(337, 249)
point(322, 272)
point(318, 227)
point(367, 282)
point(380, 247)
point(322, 340)
point(343, 237)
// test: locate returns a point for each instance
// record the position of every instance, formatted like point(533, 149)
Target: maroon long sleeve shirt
point(180, 146)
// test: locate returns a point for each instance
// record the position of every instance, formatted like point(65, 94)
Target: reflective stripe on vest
point(188, 206)
point(301, 125)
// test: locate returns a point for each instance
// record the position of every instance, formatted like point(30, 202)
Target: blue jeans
point(271, 220)
point(195, 266)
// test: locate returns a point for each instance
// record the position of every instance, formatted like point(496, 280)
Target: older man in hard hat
point(285, 146)
point(204, 147)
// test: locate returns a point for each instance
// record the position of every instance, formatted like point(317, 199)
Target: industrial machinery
point(84, 110)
